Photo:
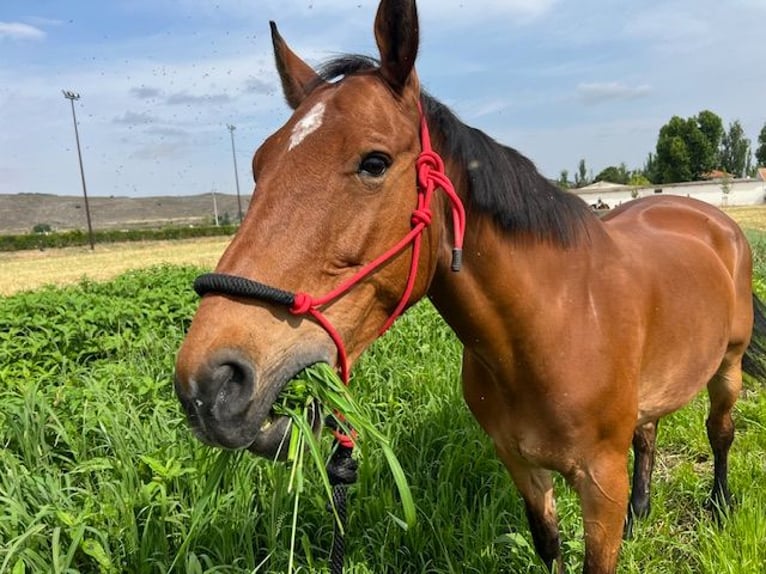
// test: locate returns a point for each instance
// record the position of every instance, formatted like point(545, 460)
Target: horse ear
point(298, 78)
point(397, 35)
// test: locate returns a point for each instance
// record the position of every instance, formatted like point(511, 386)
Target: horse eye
point(374, 164)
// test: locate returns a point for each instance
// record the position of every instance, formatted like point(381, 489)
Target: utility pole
point(215, 209)
point(72, 96)
point(231, 128)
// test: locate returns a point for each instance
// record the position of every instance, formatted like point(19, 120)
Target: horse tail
point(754, 361)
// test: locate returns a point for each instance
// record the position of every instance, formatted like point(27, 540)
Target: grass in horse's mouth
point(296, 396)
point(302, 400)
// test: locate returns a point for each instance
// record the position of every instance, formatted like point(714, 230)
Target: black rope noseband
point(236, 286)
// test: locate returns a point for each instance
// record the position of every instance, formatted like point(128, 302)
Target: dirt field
point(20, 213)
point(750, 217)
point(26, 270)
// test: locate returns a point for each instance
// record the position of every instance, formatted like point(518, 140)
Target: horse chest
point(522, 415)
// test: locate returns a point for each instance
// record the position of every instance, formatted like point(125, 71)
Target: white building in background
point(718, 192)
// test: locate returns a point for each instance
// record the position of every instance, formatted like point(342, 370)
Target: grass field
point(99, 473)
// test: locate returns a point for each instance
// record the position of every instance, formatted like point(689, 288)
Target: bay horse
point(579, 333)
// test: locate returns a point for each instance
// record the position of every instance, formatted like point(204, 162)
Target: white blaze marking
point(307, 125)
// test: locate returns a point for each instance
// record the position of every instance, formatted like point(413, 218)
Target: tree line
point(688, 149)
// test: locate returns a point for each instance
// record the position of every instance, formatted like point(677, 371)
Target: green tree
point(687, 148)
point(673, 160)
point(638, 179)
point(614, 174)
point(650, 171)
point(703, 152)
point(760, 152)
point(581, 177)
point(735, 151)
point(563, 180)
point(711, 127)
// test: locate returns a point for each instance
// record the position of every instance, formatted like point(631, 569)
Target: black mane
point(501, 182)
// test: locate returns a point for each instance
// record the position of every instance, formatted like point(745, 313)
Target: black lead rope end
point(457, 259)
point(342, 467)
point(342, 472)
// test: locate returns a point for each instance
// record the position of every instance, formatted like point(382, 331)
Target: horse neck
point(505, 278)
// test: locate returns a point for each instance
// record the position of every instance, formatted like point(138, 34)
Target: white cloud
point(599, 92)
point(135, 119)
point(185, 98)
point(19, 31)
point(146, 92)
point(259, 86)
point(167, 132)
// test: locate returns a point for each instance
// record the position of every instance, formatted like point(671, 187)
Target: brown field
point(749, 217)
point(20, 213)
point(25, 270)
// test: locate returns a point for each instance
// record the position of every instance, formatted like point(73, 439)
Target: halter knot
point(428, 161)
point(421, 216)
point(302, 304)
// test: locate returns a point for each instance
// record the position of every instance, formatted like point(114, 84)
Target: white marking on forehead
point(308, 124)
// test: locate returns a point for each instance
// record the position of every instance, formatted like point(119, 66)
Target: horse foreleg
point(536, 488)
point(534, 483)
point(644, 441)
point(603, 488)
point(723, 390)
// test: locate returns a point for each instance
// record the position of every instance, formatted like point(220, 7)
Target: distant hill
point(20, 213)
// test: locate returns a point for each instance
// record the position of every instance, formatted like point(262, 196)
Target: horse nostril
point(225, 387)
point(232, 373)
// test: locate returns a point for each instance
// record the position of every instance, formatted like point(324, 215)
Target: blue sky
point(559, 80)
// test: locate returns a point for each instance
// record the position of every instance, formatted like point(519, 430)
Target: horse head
point(336, 186)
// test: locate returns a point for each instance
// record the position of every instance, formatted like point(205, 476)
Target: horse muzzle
point(229, 405)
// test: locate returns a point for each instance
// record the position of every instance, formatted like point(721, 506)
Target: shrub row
point(79, 237)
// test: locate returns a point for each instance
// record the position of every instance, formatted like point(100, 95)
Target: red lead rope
point(431, 176)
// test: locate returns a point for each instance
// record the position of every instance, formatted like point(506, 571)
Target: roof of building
point(716, 174)
point(602, 186)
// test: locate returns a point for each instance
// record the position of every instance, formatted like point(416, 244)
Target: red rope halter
point(431, 176)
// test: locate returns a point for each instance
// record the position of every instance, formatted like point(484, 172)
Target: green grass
point(99, 472)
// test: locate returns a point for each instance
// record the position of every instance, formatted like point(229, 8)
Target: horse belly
point(686, 344)
point(663, 393)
